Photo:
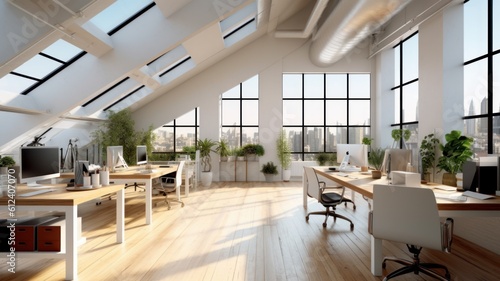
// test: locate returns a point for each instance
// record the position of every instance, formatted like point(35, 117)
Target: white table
point(66, 201)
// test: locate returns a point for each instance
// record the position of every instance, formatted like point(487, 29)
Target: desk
point(67, 202)
point(133, 174)
point(363, 184)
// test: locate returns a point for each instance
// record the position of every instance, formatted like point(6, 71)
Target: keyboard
point(37, 192)
point(477, 195)
point(457, 198)
point(147, 171)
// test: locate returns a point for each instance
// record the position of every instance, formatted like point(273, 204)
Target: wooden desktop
point(135, 174)
point(363, 184)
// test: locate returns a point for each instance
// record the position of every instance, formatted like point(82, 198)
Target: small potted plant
point(456, 151)
point(252, 150)
point(5, 163)
point(222, 148)
point(397, 134)
point(284, 152)
point(322, 158)
point(375, 159)
point(428, 149)
point(269, 170)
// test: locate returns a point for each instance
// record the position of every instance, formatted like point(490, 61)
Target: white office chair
point(329, 200)
point(409, 215)
point(172, 183)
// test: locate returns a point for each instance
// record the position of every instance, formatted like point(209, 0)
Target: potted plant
point(231, 156)
point(428, 148)
point(376, 158)
point(240, 154)
point(205, 148)
point(222, 149)
point(269, 169)
point(284, 152)
point(6, 162)
point(322, 158)
point(252, 150)
point(455, 152)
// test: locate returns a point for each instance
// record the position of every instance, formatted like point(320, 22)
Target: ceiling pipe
point(347, 25)
point(313, 19)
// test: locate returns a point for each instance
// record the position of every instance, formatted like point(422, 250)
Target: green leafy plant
point(322, 158)
point(269, 168)
point(376, 158)
point(284, 151)
point(222, 148)
point(253, 148)
point(7, 161)
point(367, 141)
point(456, 151)
point(119, 129)
point(428, 148)
point(397, 134)
point(205, 148)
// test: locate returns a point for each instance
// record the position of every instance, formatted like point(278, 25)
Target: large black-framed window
point(181, 132)
point(240, 113)
point(482, 75)
point(406, 88)
point(323, 109)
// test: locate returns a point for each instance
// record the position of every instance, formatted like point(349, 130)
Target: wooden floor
point(238, 231)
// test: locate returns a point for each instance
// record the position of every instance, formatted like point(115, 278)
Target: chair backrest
point(398, 159)
point(178, 175)
point(406, 214)
point(313, 189)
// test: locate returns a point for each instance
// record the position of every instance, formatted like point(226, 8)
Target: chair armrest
point(447, 235)
point(370, 222)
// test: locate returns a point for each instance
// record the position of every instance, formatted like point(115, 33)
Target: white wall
point(268, 57)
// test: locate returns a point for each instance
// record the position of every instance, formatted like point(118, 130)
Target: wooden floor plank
point(238, 231)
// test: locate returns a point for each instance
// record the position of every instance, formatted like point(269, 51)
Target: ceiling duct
point(348, 24)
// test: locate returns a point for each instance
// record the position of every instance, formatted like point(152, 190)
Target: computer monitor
point(352, 155)
point(142, 155)
point(114, 158)
point(39, 163)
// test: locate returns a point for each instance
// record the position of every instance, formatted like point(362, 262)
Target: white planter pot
point(206, 178)
point(286, 175)
point(269, 177)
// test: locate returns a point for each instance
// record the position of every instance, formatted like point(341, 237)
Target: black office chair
point(329, 200)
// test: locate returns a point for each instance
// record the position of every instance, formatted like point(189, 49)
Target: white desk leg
point(71, 243)
point(376, 256)
point(149, 201)
point(120, 216)
point(304, 191)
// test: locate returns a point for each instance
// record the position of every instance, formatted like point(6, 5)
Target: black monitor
point(39, 163)
point(142, 155)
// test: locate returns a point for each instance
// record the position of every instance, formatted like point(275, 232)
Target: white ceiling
point(168, 33)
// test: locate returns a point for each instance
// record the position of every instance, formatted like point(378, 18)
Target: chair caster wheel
point(352, 227)
point(182, 205)
point(354, 207)
point(307, 218)
point(324, 224)
point(383, 265)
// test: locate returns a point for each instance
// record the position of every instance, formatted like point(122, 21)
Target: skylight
point(39, 68)
point(118, 13)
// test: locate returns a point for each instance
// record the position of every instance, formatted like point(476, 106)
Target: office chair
point(409, 215)
point(170, 183)
point(345, 200)
point(329, 200)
